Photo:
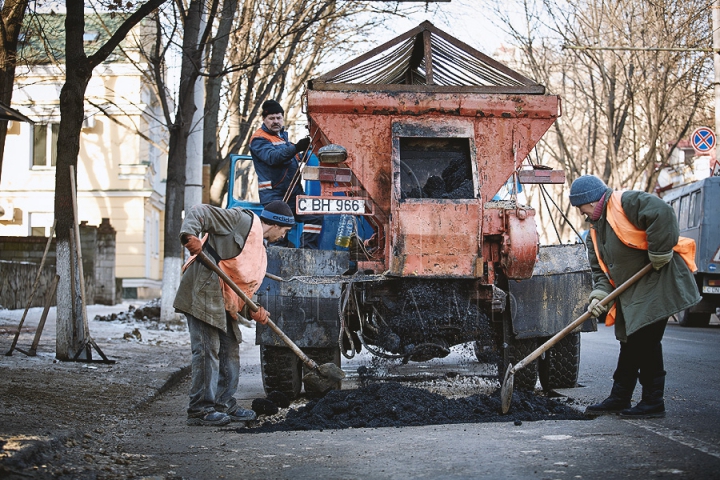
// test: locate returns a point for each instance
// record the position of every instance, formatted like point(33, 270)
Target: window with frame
point(435, 167)
point(40, 223)
point(684, 211)
point(694, 216)
point(44, 147)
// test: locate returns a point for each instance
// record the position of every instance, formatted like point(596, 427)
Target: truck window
point(675, 204)
point(694, 209)
point(435, 168)
point(683, 216)
point(245, 185)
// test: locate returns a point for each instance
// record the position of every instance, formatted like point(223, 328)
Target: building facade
point(123, 151)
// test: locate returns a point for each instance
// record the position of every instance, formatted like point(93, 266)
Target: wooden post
point(41, 325)
point(34, 289)
point(78, 248)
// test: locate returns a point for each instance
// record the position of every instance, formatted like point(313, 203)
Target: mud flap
point(305, 310)
point(556, 294)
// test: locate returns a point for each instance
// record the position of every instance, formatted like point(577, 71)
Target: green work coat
point(658, 294)
point(199, 293)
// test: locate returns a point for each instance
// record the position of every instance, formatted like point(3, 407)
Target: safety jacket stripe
point(274, 139)
point(308, 228)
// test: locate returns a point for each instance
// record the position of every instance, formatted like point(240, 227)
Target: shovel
point(321, 378)
point(507, 386)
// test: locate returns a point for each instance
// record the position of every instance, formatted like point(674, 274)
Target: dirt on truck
point(413, 141)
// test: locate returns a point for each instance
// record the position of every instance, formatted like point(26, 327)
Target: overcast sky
point(466, 20)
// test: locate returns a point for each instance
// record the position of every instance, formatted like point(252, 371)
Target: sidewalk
point(44, 401)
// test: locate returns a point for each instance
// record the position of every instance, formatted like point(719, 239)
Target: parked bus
point(696, 206)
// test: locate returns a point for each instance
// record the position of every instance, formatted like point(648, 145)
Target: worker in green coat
point(641, 312)
point(234, 239)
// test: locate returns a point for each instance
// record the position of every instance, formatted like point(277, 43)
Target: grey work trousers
point(215, 368)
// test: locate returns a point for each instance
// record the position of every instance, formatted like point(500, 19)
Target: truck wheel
point(485, 353)
point(560, 367)
point(281, 371)
point(516, 350)
point(693, 319)
point(321, 356)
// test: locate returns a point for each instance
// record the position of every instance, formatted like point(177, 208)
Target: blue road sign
point(703, 140)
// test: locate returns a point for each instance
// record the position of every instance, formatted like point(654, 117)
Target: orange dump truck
point(416, 138)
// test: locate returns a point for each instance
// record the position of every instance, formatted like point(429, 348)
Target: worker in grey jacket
point(641, 312)
point(235, 240)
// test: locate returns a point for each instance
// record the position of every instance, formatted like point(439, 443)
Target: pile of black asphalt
point(391, 404)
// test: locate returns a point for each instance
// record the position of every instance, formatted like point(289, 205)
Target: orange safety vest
point(633, 237)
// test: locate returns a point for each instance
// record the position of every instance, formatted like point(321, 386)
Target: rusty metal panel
point(520, 247)
point(536, 176)
point(436, 238)
point(502, 146)
point(429, 103)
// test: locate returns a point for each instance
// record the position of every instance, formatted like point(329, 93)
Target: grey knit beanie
point(586, 189)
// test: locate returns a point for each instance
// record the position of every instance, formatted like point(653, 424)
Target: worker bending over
point(235, 240)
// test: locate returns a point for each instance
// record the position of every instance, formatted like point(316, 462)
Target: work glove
point(302, 144)
point(261, 316)
point(193, 244)
point(596, 296)
point(659, 260)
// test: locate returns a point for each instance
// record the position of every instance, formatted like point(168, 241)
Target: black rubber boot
point(652, 404)
point(618, 401)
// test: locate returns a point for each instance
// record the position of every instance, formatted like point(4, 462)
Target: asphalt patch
point(392, 404)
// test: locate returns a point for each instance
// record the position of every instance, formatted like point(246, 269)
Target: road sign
point(715, 170)
point(703, 140)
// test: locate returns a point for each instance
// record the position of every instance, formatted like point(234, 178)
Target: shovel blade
point(326, 377)
point(507, 390)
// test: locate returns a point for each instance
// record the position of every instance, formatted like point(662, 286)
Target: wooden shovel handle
point(211, 265)
point(577, 322)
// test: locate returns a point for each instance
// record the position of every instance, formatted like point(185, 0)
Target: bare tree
point(11, 20)
point(79, 70)
point(272, 59)
point(628, 90)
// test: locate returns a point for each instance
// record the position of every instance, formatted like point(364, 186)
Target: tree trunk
point(13, 12)
point(213, 84)
point(177, 160)
point(70, 321)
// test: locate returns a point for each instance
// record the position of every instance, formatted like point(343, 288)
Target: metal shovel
point(507, 386)
point(322, 378)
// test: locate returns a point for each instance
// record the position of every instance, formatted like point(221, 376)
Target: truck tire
point(485, 353)
point(687, 318)
point(281, 371)
point(321, 356)
point(514, 351)
point(560, 366)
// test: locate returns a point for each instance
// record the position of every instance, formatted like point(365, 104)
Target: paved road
point(686, 444)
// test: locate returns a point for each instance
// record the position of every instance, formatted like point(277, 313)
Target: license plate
point(329, 205)
point(707, 289)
